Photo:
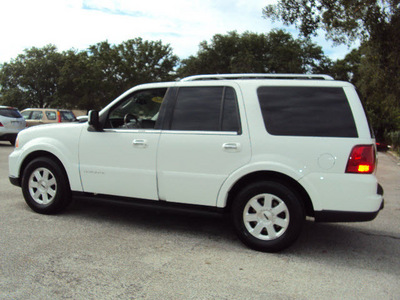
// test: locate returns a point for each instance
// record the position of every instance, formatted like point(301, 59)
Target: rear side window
point(10, 113)
point(206, 109)
point(37, 115)
point(51, 115)
point(306, 111)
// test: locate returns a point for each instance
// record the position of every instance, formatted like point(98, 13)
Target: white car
point(267, 149)
point(11, 123)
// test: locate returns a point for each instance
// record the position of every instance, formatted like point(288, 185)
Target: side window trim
point(221, 109)
point(166, 110)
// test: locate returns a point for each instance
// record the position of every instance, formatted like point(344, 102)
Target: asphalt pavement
point(101, 250)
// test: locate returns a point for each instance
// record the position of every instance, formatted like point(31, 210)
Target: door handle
point(231, 146)
point(139, 143)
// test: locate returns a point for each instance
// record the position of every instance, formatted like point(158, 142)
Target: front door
point(121, 160)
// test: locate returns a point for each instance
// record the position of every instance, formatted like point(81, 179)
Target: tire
point(268, 216)
point(45, 186)
point(12, 142)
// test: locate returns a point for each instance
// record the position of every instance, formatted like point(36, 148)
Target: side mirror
point(94, 121)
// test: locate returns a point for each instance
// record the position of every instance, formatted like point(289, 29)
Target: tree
point(78, 84)
point(130, 63)
point(145, 61)
point(344, 21)
point(31, 79)
point(276, 52)
point(43, 77)
point(376, 70)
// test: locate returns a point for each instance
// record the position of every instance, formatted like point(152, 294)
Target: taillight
point(1, 125)
point(361, 160)
point(59, 117)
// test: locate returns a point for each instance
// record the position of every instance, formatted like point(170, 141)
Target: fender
point(66, 151)
point(234, 177)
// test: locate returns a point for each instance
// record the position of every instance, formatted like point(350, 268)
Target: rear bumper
point(349, 216)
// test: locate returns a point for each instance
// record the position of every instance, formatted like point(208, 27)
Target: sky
point(77, 24)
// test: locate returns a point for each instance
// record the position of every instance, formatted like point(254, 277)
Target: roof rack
point(257, 76)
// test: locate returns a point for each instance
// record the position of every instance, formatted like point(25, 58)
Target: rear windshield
point(306, 111)
point(67, 116)
point(10, 113)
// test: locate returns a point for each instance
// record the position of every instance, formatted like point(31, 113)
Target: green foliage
point(394, 139)
point(83, 80)
point(344, 21)
point(31, 79)
point(130, 63)
point(78, 85)
point(374, 68)
point(276, 52)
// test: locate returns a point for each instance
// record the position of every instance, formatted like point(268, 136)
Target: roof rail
point(256, 76)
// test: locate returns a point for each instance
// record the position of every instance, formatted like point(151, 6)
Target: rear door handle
point(231, 146)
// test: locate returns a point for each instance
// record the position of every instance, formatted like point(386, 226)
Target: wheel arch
point(36, 154)
point(275, 177)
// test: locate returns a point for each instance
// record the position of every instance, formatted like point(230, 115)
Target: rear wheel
point(268, 216)
point(45, 186)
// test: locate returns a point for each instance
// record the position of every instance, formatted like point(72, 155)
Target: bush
point(394, 138)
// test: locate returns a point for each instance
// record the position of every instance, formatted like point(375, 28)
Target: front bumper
point(15, 181)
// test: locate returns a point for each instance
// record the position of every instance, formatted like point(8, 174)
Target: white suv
point(268, 149)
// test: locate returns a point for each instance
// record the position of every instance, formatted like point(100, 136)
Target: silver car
point(11, 122)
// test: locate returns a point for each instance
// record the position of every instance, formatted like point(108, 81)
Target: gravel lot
point(105, 251)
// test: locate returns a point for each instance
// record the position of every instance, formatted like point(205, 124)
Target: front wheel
point(267, 216)
point(45, 186)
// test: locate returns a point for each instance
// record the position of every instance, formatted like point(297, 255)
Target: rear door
point(203, 141)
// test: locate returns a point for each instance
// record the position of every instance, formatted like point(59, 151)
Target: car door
point(203, 143)
point(121, 159)
point(33, 118)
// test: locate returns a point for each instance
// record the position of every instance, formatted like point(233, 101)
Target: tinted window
point(306, 111)
point(230, 119)
point(10, 113)
point(206, 109)
point(67, 116)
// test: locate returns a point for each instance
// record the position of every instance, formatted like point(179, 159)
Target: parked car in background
point(381, 146)
point(38, 116)
point(11, 122)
